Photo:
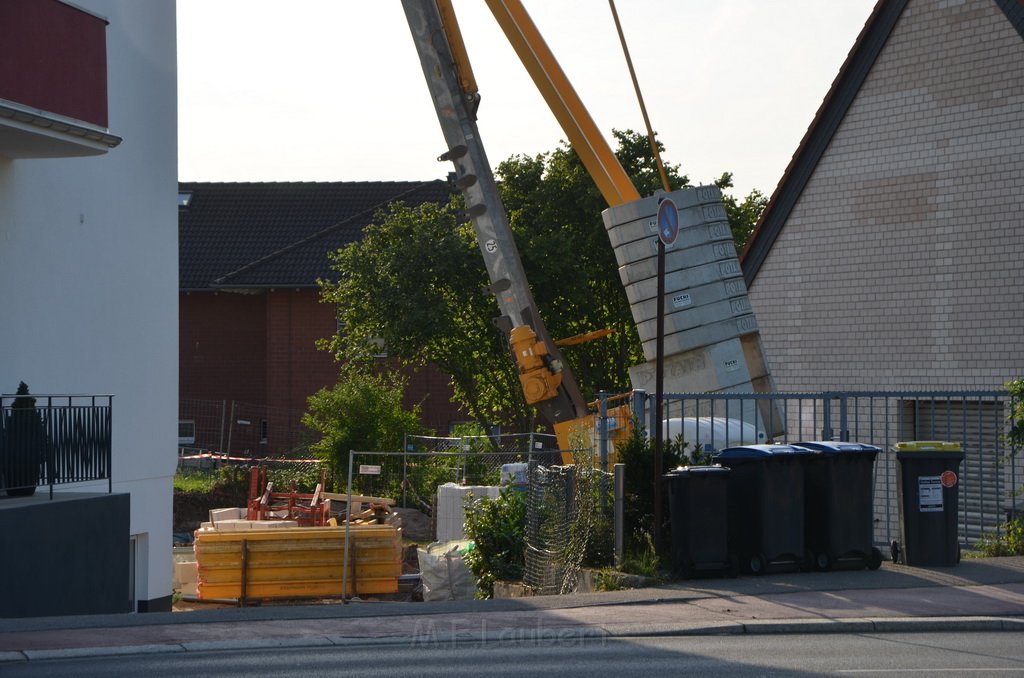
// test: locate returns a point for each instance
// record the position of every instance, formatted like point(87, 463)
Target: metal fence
point(990, 474)
point(58, 439)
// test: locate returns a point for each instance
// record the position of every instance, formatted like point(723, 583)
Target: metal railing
point(55, 440)
point(991, 474)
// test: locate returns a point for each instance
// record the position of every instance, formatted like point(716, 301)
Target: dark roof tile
point(279, 234)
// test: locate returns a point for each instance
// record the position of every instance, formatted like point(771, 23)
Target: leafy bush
point(1009, 543)
point(637, 453)
point(361, 412)
point(498, 530)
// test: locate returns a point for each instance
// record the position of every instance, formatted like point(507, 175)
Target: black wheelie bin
point(766, 506)
point(839, 488)
point(698, 515)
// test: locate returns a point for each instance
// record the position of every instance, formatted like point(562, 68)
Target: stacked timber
point(298, 562)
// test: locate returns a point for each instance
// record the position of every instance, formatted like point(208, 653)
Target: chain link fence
point(569, 507)
point(568, 524)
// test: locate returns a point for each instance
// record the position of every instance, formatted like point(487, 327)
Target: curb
point(549, 635)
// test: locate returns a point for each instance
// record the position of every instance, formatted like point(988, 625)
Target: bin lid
point(696, 471)
point(927, 446)
point(839, 447)
point(761, 451)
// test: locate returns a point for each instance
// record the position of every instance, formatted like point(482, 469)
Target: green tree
point(416, 281)
point(361, 412)
point(743, 214)
point(554, 210)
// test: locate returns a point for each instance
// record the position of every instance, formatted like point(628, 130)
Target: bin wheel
point(875, 559)
point(894, 550)
point(686, 570)
point(958, 554)
point(758, 564)
point(733, 570)
point(822, 561)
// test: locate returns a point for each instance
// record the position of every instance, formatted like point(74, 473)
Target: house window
point(186, 432)
point(382, 351)
point(339, 328)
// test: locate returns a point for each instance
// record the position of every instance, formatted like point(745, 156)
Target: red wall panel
point(54, 59)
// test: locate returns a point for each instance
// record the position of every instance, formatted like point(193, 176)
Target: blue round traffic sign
point(668, 221)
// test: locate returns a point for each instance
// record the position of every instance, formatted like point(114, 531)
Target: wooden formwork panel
point(296, 589)
point(297, 562)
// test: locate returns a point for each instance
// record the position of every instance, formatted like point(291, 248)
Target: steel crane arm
point(547, 382)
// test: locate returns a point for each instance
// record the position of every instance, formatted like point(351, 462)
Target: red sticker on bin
point(948, 479)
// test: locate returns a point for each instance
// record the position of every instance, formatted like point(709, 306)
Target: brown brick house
point(250, 311)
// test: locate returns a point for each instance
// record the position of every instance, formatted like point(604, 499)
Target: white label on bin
point(929, 493)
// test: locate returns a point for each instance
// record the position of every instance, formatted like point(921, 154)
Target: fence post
point(603, 424)
point(223, 416)
point(603, 447)
point(826, 416)
point(405, 467)
point(348, 524)
point(619, 518)
point(638, 404)
point(844, 426)
point(231, 427)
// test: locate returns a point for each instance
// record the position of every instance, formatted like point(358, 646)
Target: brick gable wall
point(901, 264)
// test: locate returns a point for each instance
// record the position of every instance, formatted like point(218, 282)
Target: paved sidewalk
point(980, 595)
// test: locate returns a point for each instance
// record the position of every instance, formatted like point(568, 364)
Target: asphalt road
point(887, 654)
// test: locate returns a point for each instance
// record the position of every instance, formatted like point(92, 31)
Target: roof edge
point(1014, 11)
point(826, 121)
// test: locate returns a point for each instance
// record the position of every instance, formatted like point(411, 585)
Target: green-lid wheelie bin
point(928, 498)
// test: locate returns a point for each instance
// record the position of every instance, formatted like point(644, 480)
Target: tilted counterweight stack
point(711, 340)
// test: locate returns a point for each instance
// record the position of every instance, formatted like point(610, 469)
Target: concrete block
point(235, 525)
point(708, 275)
point(682, 259)
point(705, 335)
point(708, 368)
point(694, 228)
point(683, 310)
point(688, 238)
point(272, 524)
point(234, 513)
point(648, 207)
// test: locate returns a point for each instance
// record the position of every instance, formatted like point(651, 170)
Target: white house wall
point(88, 273)
point(901, 264)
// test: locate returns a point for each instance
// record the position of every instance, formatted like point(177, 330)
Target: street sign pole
point(668, 229)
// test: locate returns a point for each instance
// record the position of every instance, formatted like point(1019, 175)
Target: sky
point(331, 90)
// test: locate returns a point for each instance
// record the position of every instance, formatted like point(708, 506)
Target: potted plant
point(22, 452)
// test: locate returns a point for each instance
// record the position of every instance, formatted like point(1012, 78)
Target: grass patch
point(194, 480)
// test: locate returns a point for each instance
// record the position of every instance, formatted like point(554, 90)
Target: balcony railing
point(57, 440)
